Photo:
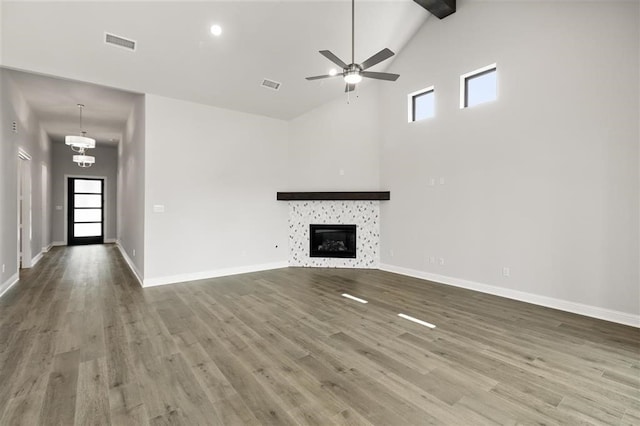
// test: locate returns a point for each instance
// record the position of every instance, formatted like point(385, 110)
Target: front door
point(86, 211)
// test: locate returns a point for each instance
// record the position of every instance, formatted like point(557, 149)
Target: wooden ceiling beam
point(439, 8)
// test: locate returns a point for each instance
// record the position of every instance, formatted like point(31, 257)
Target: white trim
point(132, 265)
point(58, 243)
point(36, 259)
point(550, 302)
point(47, 248)
point(152, 282)
point(24, 211)
point(9, 283)
point(23, 155)
point(110, 240)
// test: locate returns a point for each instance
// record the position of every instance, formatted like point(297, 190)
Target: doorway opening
point(85, 211)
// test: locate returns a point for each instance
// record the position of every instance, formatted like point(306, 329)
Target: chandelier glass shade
point(79, 142)
point(84, 160)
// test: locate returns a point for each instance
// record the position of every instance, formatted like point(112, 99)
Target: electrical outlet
point(506, 271)
point(341, 172)
point(134, 252)
point(3, 268)
point(441, 260)
point(432, 181)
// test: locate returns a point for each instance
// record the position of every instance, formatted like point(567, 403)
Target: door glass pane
point(83, 200)
point(87, 215)
point(92, 186)
point(87, 229)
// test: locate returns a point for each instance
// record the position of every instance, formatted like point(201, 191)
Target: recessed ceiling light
point(216, 30)
point(333, 72)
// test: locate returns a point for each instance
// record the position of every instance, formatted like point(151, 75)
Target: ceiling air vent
point(119, 41)
point(270, 84)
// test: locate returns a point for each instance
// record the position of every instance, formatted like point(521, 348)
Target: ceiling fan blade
point(377, 58)
point(318, 77)
point(380, 75)
point(349, 88)
point(333, 58)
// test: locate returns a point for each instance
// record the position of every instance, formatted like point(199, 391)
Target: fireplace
point(332, 241)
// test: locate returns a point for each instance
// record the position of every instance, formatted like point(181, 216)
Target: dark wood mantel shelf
point(328, 196)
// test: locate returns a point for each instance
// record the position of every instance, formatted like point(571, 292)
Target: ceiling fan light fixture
point(352, 77)
point(353, 73)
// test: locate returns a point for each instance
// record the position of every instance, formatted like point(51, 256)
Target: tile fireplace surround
point(335, 208)
point(364, 214)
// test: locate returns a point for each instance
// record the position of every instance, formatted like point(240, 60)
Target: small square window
point(478, 86)
point(421, 104)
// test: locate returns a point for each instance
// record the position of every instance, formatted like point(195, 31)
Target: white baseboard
point(58, 243)
point(110, 241)
point(47, 248)
point(4, 287)
point(151, 282)
point(132, 265)
point(550, 302)
point(36, 259)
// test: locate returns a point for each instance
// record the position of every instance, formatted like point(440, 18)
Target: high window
point(479, 86)
point(421, 104)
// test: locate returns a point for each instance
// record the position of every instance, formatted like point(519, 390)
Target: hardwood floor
point(81, 343)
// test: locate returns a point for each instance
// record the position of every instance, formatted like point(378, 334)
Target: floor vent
point(270, 84)
point(119, 41)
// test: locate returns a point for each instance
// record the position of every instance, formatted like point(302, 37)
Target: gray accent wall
point(106, 166)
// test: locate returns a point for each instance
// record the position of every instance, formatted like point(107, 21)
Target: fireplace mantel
point(333, 196)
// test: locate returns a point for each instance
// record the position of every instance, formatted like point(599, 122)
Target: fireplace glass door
point(333, 241)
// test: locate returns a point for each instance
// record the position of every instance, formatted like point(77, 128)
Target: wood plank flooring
point(81, 343)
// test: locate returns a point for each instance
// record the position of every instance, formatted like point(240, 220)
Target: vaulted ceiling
point(176, 55)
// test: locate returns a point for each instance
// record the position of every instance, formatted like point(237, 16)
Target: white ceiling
point(177, 57)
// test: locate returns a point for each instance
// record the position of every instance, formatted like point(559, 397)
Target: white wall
point(336, 147)
point(131, 189)
point(216, 172)
point(33, 140)
point(106, 165)
point(544, 180)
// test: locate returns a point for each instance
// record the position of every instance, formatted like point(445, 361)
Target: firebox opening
point(332, 241)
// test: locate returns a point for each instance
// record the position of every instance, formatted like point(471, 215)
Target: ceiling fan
point(353, 73)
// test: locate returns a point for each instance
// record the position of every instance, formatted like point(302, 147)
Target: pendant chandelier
point(84, 160)
point(79, 144)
